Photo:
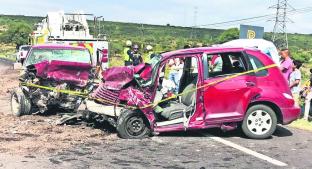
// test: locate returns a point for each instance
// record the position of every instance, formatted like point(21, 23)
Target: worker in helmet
point(149, 53)
point(128, 53)
point(136, 56)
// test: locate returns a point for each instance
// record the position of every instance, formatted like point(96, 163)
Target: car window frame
point(251, 67)
point(206, 63)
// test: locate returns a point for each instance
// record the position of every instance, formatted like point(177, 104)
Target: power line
point(258, 18)
point(238, 20)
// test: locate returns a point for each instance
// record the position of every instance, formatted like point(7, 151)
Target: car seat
point(237, 67)
point(177, 110)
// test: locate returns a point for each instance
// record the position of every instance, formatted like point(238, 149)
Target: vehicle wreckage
point(134, 98)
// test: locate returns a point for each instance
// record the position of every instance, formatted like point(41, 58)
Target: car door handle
point(250, 84)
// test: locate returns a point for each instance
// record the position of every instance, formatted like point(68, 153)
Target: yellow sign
point(251, 34)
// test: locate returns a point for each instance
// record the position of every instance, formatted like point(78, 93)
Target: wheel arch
point(273, 106)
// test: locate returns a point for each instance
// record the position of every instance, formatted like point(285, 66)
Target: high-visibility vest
point(147, 56)
point(125, 54)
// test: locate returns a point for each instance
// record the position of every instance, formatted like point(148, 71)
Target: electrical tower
point(279, 36)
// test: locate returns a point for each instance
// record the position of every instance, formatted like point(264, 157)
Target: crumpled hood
point(117, 77)
point(61, 71)
point(114, 89)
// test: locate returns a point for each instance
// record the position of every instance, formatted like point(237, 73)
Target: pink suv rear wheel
point(260, 122)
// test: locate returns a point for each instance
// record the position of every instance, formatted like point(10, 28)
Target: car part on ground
point(20, 103)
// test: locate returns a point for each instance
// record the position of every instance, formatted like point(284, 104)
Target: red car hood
point(116, 78)
point(62, 71)
point(117, 85)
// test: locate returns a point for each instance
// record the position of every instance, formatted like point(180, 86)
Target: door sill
point(171, 122)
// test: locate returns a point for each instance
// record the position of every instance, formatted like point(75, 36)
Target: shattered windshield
point(69, 55)
point(152, 72)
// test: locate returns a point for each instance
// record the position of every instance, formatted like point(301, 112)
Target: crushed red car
point(55, 66)
point(137, 100)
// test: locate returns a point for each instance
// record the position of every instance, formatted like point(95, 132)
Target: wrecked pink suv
point(138, 100)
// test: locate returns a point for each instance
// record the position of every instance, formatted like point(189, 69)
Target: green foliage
point(17, 33)
point(230, 34)
point(115, 61)
point(301, 55)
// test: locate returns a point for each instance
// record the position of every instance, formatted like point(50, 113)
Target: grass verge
point(10, 57)
point(116, 61)
point(302, 124)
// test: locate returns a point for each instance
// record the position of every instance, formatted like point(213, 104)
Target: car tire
point(260, 122)
point(20, 104)
point(132, 125)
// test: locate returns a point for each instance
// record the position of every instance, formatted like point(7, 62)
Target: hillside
point(163, 38)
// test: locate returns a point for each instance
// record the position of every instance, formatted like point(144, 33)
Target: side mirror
point(17, 66)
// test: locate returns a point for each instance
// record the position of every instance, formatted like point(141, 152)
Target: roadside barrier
point(86, 95)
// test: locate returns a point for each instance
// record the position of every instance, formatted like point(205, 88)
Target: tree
point(301, 55)
point(17, 33)
point(230, 34)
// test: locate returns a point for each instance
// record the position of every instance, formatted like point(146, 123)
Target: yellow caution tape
point(210, 84)
point(76, 93)
point(86, 95)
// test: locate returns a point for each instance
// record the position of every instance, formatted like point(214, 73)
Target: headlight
point(287, 96)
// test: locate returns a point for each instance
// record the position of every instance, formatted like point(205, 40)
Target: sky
point(173, 12)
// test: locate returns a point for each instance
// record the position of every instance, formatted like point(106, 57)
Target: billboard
point(251, 32)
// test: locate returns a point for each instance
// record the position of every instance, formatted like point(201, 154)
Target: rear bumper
point(290, 114)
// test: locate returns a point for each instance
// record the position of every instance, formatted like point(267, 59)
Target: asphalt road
point(177, 151)
point(203, 149)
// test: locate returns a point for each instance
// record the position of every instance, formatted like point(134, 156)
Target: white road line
point(246, 150)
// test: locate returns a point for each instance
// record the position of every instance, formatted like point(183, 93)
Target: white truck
point(22, 53)
point(72, 29)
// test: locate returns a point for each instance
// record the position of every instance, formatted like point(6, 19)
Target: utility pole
point(279, 36)
point(99, 26)
point(142, 30)
point(193, 31)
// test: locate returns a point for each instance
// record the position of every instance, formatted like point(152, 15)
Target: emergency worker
point(128, 53)
point(149, 53)
point(136, 56)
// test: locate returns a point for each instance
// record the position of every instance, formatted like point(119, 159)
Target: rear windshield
point(25, 48)
point(39, 55)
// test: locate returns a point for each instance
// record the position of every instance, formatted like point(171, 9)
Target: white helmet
point(149, 47)
point(128, 43)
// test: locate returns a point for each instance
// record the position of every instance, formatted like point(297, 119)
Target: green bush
point(17, 33)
